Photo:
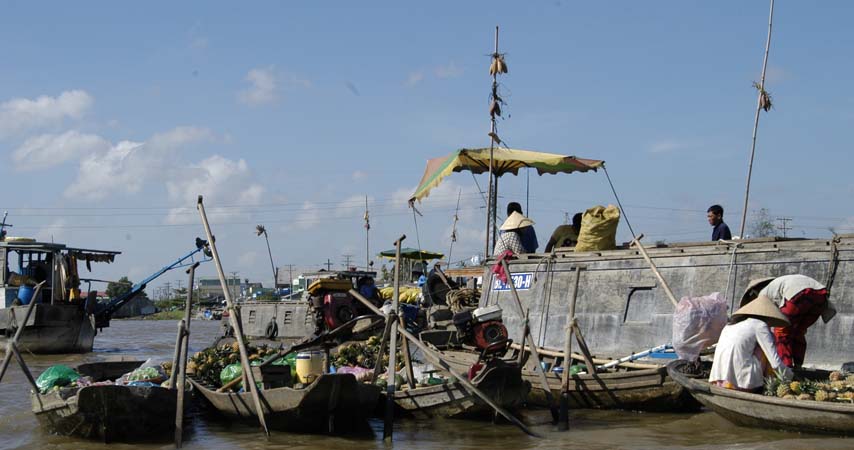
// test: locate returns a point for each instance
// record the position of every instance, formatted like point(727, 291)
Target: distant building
point(211, 287)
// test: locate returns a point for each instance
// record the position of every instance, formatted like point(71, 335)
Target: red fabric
point(498, 268)
point(802, 310)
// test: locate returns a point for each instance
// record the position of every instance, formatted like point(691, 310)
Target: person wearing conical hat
point(802, 300)
point(746, 345)
point(510, 238)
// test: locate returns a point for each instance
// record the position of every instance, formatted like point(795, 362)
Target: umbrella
point(413, 253)
point(505, 160)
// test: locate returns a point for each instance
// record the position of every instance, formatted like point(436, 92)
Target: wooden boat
point(332, 403)
point(757, 410)
point(633, 386)
point(109, 412)
point(503, 384)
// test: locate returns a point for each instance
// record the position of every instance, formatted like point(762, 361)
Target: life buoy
point(272, 329)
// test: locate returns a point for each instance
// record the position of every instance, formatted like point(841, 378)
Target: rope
point(620, 204)
point(729, 276)
point(833, 263)
point(418, 240)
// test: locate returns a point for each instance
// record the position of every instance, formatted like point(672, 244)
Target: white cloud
point(307, 218)
point(359, 175)
point(414, 78)
point(221, 181)
point(247, 259)
point(353, 206)
point(450, 70)
point(49, 150)
point(127, 166)
point(262, 87)
point(55, 232)
point(22, 114)
point(668, 146)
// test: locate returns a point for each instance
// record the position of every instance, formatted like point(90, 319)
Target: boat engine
point(482, 328)
point(337, 309)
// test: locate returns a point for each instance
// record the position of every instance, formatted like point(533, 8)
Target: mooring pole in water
point(526, 334)
point(12, 345)
point(388, 426)
point(435, 358)
point(248, 376)
point(563, 422)
point(182, 374)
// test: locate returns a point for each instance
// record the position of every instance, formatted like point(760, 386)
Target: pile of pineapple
point(207, 364)
point(363, 354)
point(838, 388)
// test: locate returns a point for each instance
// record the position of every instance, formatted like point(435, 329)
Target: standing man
point(720, 230)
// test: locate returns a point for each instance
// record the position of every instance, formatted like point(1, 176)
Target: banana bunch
point(498, 65)
point(408, 295)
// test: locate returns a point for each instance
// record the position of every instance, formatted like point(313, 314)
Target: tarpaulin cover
point(413, 253)
point(504, 160)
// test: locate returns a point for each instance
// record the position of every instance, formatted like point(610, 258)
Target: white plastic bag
point(697, 324)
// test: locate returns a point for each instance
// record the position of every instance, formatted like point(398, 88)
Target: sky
point(115, 116)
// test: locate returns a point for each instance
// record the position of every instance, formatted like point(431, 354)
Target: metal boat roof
point(51, 246)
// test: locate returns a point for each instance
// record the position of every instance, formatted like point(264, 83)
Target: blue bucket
point(25, 294)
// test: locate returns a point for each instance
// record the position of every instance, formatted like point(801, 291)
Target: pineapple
point(838, 385)
point(836, 376)
point(805, 396)
point(783, 390)
point(795, 386)
point(832, 396)
point(789, 397)
point(821, 395)
point(850, 379)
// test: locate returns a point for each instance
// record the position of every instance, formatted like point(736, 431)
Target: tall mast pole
point(759, 106)
point(491, 197)
point(367, 237)
point(454, 227)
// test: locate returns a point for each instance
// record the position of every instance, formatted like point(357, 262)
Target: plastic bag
point(598, 229)
point(230, 372)
point(58, 375)
point(697, 324)
point(150, 374)
point(360, 373)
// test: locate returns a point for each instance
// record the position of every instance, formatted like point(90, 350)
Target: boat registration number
point(522, 281)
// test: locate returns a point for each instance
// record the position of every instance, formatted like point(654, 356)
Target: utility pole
point(347, 260)
point(168, 289)
point(179, 284)
point(784, 224)
point(566, 217)
point(290, 276)
point(367, 236)
point(235, 287)
point(328, 264)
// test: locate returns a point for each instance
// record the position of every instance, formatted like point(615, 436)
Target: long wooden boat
point(503, 384)
point(631, 386)
point(761, 411)
point(109, 413)
point(332, 403)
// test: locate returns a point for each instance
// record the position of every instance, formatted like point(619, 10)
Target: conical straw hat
point(763, 308)
point(516, 221)
point(755, 284)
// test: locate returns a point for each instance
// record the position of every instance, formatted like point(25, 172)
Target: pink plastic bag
point(697, 324)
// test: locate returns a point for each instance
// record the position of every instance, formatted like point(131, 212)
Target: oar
point(437, 359)
point(248, 376)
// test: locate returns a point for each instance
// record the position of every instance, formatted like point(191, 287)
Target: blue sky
point(114, 116)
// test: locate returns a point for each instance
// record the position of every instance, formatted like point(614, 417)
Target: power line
point(784, 221)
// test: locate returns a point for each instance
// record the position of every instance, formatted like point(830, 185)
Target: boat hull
point(109, 413)
point(760, 411)
point(52, 329)
point(333, 403)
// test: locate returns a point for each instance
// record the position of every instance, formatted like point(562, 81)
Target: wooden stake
point(563, 422)
point(436, 359)
point(248, 376)
point(636, 243)
point(388, 427)
point(182, 374)
point(526, 334)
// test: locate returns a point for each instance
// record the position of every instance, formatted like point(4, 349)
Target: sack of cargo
point(598, 229)
point(697, 324)
point(56, 376)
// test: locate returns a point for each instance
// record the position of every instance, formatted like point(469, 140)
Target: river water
point(590, 429)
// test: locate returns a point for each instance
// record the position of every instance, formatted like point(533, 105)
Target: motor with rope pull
point(483, 329)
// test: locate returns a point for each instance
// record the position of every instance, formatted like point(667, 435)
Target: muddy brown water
point(590, 430)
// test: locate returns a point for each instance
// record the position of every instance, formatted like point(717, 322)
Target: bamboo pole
point(248, 376)
point(491, 197)
point(563, 422)
point(756, 120)
point(436, 359)
point(11, 346)
point(526, 334)
point(388, 427)
point(636, 243)
point(185, 346)
point(579, 356)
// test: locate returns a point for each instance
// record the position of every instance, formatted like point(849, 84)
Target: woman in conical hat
point(510, 238)
point(746, 345)
point(802, 300)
